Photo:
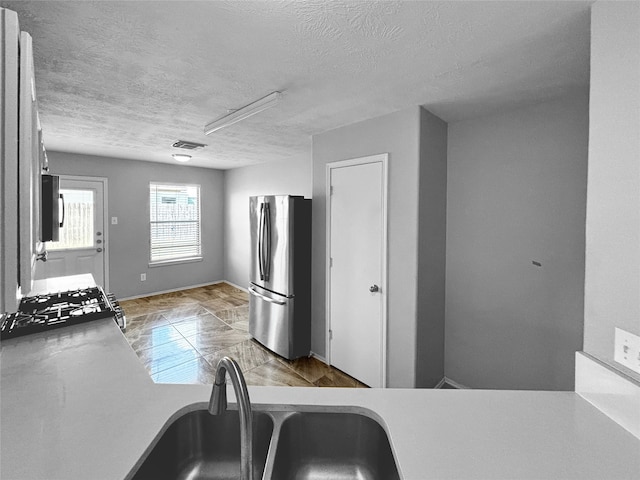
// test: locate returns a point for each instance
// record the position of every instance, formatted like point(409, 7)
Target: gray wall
point(399, 135)
point(129, 201)
point(432, 218)
point(612, 284)
point(291, 177)
point(516, 192)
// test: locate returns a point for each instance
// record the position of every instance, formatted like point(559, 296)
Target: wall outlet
point(627, 349)
point(143, 277)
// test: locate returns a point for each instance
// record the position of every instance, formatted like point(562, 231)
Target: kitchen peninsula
point(76, 404)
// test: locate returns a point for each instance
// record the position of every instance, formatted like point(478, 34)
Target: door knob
point(374, 288)
point(98, 250)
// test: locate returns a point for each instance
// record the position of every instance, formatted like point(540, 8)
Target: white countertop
point(76, 403)
point(61, 284)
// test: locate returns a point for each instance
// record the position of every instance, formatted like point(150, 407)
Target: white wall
point(291, 177)
point(399, 135)
point(129, 240)
point(612, 278)
point(516, 190)
point(432, 219)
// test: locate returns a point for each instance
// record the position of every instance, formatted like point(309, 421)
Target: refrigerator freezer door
point(271, 322)
point(272, 245)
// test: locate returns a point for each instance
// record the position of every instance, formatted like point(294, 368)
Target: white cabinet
point(21, 159)
point(10, 40)
point(29, 168)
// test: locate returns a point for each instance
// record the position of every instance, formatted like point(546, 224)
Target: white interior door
point(83, 240)
point(357, 268)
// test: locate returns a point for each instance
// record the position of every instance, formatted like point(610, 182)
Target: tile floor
point(180, 336)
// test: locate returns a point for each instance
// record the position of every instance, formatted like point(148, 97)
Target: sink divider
point(278, 418)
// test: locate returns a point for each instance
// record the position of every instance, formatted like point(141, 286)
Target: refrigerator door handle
point(253, 291)
point(267, 257)
point(263, 243)
point(260, 235)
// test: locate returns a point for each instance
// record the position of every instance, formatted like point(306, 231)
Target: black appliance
point(52, 201)
point(55, 310)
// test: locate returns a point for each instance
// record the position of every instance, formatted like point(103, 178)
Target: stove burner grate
point(46, 312)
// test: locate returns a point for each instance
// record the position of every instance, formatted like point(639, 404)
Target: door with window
point(83, 239)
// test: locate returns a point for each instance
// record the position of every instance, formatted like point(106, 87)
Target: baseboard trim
point(186, 287)
point(319, 357)
point(244, 289)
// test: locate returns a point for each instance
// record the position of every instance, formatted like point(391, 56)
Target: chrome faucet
point(218, 405)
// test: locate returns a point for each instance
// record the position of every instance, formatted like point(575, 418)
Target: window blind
point(175, 222)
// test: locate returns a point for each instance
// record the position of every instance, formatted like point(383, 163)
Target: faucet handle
point(218, 399)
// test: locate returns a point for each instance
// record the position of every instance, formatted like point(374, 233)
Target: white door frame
point(105, 209)
point(382, 157)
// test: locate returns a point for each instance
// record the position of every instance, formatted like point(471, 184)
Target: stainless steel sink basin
point(290, 443)
point(333, 445)
point(202, 446)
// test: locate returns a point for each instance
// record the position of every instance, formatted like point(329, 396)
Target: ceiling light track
point(242, 113)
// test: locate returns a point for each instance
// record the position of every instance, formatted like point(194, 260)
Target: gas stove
point(55, 310)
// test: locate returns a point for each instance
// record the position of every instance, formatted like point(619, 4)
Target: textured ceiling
point(127, 79)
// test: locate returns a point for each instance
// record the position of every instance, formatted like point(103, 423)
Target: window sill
point(177, 261)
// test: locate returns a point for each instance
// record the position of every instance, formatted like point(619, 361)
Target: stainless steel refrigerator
point(280, 278)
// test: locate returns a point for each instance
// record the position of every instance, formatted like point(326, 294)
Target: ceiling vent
point(188, 145)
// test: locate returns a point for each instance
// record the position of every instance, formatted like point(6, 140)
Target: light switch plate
point(114, 220)
point(627, 349)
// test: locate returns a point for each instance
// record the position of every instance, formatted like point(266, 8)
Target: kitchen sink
point(202, 446)
point(289, 443)
point(333, 445)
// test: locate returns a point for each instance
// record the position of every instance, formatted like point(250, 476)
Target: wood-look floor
point(180, 336)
